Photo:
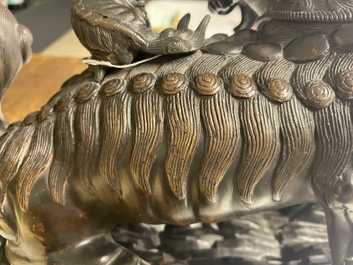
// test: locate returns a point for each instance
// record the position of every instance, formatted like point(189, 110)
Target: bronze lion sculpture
point(211, 129)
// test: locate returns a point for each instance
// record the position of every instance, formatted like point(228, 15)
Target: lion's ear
point(26, 41)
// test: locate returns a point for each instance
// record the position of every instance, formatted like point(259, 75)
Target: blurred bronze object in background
point(16, 42)
point(252, 10)
point(210, 130)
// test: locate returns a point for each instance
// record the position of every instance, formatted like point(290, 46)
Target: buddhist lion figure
point(179, 128)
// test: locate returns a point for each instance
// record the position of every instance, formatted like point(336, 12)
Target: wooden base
point(37, 82)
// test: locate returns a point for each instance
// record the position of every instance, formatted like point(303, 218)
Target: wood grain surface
point(37, 82)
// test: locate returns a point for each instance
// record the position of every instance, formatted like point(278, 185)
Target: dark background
point(47, 19)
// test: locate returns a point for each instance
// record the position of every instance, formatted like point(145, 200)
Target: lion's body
point(260, 120)
point(199, 138)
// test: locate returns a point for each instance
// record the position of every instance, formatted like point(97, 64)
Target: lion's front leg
point(49, 233)
point(98, 249)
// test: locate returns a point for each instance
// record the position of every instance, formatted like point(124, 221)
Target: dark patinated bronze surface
point(210, 130)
